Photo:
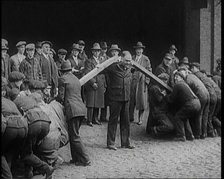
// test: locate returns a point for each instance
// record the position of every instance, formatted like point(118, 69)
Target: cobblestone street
point(151, 158)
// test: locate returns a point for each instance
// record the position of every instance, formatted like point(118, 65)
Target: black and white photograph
point(97, 89)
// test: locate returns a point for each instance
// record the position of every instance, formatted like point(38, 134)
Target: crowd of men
point(44, 104)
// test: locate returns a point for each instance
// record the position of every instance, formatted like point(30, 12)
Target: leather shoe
point(182, 139)
point(90, 124)
point(128, 147)
point(97, 122)
point(83, 164)
point(191, 138)
point(112, 147)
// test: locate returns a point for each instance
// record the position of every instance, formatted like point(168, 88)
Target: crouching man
point(159, 123)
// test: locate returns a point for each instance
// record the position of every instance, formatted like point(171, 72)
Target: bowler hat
point(62, 51)
point(139, 45)
point(96, 46)
point(76, 46)
point(184, 61)
point(173, 47)
point(16, 76)
point(66, 66)
point(30, 46)
point(196, 64)
point(103, 45)
point(81, 42)
point(20, 43)
point(38, 44)
point(168, 56)
point(47, 42)
point(36, 84)
point(114, 47)
point(163, 76)
point(127, 55)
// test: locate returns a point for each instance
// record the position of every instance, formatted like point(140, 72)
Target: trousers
point(119, 108)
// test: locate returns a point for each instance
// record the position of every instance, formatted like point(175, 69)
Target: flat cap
point(5, 42)
point(173, 47)
point(30, 46)
point(62, 51)
point(20, 43)
point(103, 45)
point(196, 64)
point(4, 81)
point(4, 47)
point(81, 42)
point(46, 42)
point(36, 84)
point(168, 56)
point(163, 76)
point(16, 76)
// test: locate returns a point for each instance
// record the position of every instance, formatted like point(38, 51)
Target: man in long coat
point(6, 69)
point(139, 85)
point(49, 68)
point(95, 88)
point(69, 94)
point(119, 95)
point(16, 59)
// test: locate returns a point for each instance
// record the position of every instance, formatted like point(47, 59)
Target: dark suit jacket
point(6, 68)
point(120, 81)
point(69, 94)
point(49, 71)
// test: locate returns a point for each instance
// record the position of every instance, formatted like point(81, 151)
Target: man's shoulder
point(14, 57)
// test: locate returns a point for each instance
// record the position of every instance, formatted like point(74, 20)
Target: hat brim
point(98, 49)
point(5, 48)
point(139, 47)
point(76, 49)
point(46, 42)
point(117, 49)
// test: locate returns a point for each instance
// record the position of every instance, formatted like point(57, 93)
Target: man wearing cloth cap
point(187, 108)
point(49, 68)
point(159, 119)
point(16, 59)
point(61, 57)
point(120, 76)
point(184, 63)
point(175, 61)
point(38, 51)
point(139, 85)
point(30, 66)
point(82, 55)
point(195, 69)
point(95, 88)
point(104, 57)
point(15, 81)
point(6, 68)
point(202, 93)
point(165, 67)
point(76, 62)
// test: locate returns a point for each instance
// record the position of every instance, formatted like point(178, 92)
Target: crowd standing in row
point(44, 104)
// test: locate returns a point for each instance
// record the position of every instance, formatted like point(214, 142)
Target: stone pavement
point(151, 158)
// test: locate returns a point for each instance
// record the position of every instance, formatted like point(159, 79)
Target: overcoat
point(94, 98)
point(140, 83)
point(6, 67)
point(69, 94)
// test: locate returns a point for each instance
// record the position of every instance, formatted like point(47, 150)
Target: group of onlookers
point(44, 104)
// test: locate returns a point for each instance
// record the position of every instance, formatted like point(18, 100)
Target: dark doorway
point(157, 23)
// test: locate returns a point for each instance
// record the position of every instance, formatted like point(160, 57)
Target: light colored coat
point(15, 62)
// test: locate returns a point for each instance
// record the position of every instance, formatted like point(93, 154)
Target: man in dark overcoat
point(119, 95)
point(95, 88)
point(69, 94)
point(48, 67)
point(6, 68)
